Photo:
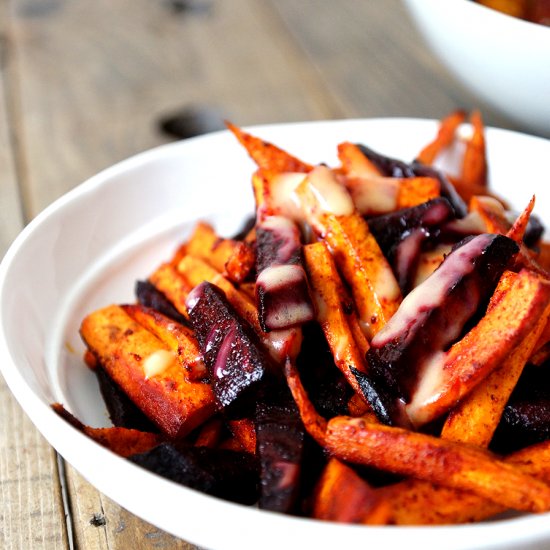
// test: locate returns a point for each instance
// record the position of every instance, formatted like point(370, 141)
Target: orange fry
point(266, 155)
point(474, 164)
point(328, 294)
point(206, 244)
point(328, 208)
point(354, 162)
point(147, 371)
point(415, 191)
point(314, 423)
point(517, 231)
point(181, 340)
point(243, 430)
point(167, 279)
point(476, 417)
point(445, 137)
point(341, 495)
point(439, 461)
point(416, 502)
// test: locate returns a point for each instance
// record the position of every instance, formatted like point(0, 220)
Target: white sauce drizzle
point(277, 276)
point(330, 195)
point(373, 195)
point(419, 302)
point(158, 362)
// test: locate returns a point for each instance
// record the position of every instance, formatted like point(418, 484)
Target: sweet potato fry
point(210, 433)
point(375, 195)
point(314, 423)
point(354, 162)
point(178, 338)
point(483, 349)
point(436, 460)
point(341, 495)
point(243, 431)
point(543, 257)
point(517, 231)
point(415, 191)
point(476, 417)
point(445, 137)
point(266, 155)
point(491, 212)
point(474, 164)
point(167, 279)
point(329, 210)
point(328, 296)
point(140, 364)
point(240, 264)
point(124, 442)
point(416, 502)
point(273, 193)
point(206, 244)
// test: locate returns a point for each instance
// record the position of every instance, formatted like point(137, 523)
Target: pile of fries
point(349, 349)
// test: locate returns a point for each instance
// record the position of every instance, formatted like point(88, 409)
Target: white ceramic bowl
point(502, 59)
point(87, 249)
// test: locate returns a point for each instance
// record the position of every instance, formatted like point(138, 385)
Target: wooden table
point(83, 84)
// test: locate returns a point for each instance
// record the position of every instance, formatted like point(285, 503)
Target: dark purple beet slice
point(402, 233)
point(226, 474)
point(282, 292)
point(325, 384)
point(433, 316)
point(238, 367)
point(398, 169)
point(122, 410)
point(148, 296)
point(280, 437)
point(526, 417)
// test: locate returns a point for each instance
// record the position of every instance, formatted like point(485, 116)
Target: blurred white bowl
point(502, 59)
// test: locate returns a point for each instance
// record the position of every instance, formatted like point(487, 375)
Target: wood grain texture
point(32, 513)
point(371, 57)
point(100, 523)
point(90, 93)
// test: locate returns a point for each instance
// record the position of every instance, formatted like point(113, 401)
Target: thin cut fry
point(517, 231)
point(167, 279)
point(328, 294)
point(181, 340)
point(445, 137)
point(416, 502)
point(474, 164)
point(436, 460)
point(266, 155)
point(341, 495)
point(354, 162)
point(355, 250)
point(477, 416)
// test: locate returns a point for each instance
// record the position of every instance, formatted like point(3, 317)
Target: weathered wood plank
point(91, 92)
point(100, 523)
point(373, 59)
point(31, 515)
